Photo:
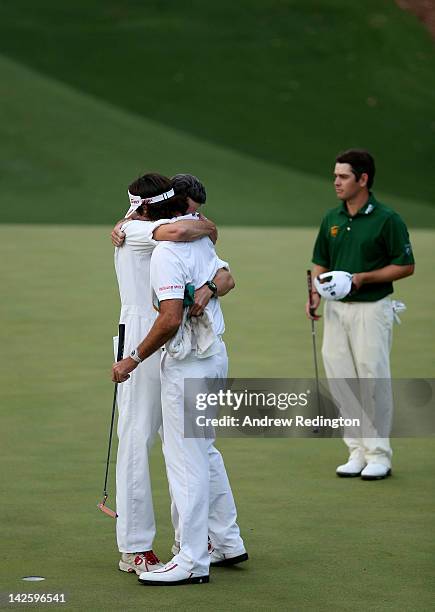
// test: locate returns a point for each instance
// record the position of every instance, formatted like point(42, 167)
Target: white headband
point(136, 201)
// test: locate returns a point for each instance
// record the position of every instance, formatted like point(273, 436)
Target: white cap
point(333, 285)
point(136, 201)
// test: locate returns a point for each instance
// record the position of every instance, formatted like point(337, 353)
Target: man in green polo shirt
point(371, 242)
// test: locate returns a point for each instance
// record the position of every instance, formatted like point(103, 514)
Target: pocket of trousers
point(387, 312)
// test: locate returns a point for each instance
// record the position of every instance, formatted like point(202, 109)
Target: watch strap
point(135, 356)
point(212, 286)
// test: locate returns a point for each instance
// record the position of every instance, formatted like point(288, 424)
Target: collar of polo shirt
point(368, 207)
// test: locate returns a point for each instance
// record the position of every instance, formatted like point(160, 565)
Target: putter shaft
point(102, 506)
point(313, 335)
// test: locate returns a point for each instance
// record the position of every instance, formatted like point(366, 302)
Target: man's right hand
point(202, 297)
point(311, 307)
point(117, 236)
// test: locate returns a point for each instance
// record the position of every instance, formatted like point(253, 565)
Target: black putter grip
point(121, 339)
point(310, 289)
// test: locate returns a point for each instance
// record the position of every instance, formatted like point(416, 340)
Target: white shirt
point(132, 265)
point(176, 264)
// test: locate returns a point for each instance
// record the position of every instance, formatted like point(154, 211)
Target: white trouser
point(357, 341)
point(196, 472)
point(220, 504)
point(140, 418)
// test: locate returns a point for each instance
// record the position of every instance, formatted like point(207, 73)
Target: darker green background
point(290, 82)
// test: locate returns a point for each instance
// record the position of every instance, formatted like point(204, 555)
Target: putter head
point(102, 506)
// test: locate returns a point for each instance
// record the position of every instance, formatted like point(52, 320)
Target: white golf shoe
point(171, 575)
point(139, 562)
point(219, 559)
point(375, 471)
point(352, 468)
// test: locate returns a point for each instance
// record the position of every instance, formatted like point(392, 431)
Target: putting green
point(316, 542)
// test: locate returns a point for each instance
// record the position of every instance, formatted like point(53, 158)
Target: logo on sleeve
point(334, 230)
point(408, 249)
point(168, 287)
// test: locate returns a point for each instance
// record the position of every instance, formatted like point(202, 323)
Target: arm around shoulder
point(185, 230)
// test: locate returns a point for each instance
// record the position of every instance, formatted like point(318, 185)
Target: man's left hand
point(121, 370)
point(214, 233)
point(202, 298)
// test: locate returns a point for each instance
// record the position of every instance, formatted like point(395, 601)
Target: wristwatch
point(212, 286)
point(135, 356)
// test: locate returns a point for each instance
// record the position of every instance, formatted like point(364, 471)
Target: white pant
point(196, 472)
point(357, 341)
point(140, 418)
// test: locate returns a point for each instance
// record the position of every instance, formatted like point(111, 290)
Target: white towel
point(398, 307)
point(194, 334)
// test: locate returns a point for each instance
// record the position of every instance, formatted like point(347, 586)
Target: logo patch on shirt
point(166, 287)
point(334, 230)
point(408, 249)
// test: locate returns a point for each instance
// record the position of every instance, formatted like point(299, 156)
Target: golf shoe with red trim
point(139, 562)
point(220, 559)
point(171, 575)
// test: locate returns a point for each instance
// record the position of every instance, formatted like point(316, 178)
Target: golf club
point(313, 335)
point(102, 506)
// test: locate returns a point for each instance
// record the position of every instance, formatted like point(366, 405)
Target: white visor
point(333, 285)
point(136, 201)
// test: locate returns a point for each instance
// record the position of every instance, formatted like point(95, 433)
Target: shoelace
point(148, 556)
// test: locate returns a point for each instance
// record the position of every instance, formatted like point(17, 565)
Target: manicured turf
point(316, 542)
point(286, 81)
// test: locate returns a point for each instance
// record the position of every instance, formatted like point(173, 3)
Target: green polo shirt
point(374, 238)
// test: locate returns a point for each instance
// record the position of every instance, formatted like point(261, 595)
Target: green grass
point(68, 158)
point(290, 82)
point(316, 542)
